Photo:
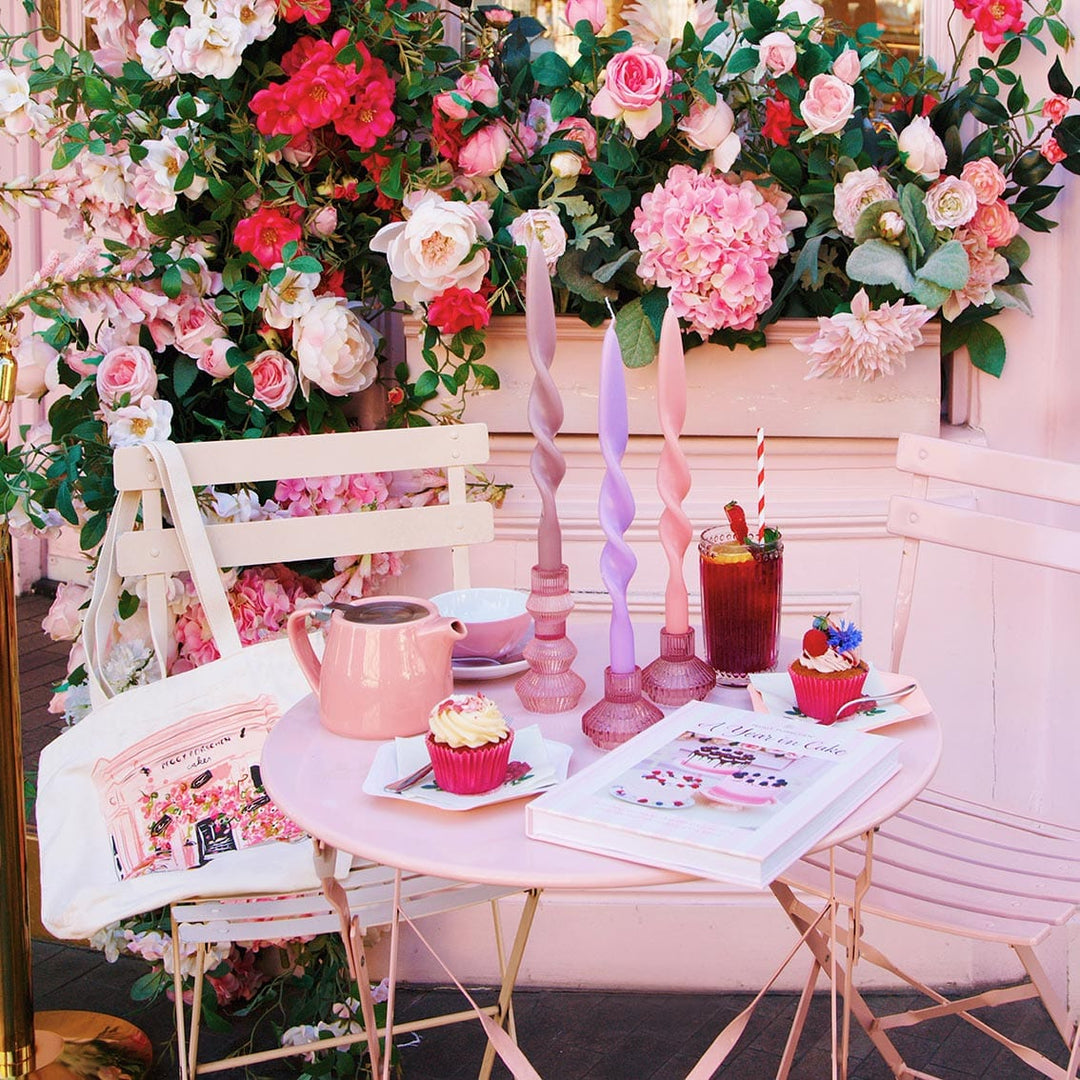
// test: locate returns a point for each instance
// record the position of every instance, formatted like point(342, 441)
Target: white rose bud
point(921, 150)
point(891, 225)
point(565, 164)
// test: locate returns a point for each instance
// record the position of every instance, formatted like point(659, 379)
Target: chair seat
point(962, 868)
point(370, 891)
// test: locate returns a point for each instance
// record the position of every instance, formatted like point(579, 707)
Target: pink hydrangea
point(866, 344)
point(713, 244)
point(331, 494)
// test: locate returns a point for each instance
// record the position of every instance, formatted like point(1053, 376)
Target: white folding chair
point(949, 864)
point(365, 897)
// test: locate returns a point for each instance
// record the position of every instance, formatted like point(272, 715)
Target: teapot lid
point(383, 612)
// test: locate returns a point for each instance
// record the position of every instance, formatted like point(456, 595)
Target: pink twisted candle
point(673, 475)
point(545, 406)
point(616, 510)
point(760, 484)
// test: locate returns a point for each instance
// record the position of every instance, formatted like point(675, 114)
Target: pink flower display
point(866, 344)
point(633, 90)
point(984, 175)
point(712, 243)
point(986, 268)
point(332, 494)
point(126, 372)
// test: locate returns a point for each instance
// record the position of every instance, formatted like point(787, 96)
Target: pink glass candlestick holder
point(677, 676)
point(621, 713)
point(549, 686)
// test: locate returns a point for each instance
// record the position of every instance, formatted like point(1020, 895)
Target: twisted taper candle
point(616, 510)
point(545, 406)
point(673, 474)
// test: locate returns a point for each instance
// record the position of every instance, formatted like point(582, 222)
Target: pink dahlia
point(712, 243)
point(866, 344)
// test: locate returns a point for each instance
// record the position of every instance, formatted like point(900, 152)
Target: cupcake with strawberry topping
point(829, 672)
point(469, 744)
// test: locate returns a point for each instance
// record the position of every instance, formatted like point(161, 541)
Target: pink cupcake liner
point(470, 770)
point(820, 696)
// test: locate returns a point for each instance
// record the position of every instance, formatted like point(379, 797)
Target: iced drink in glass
point(740, 604)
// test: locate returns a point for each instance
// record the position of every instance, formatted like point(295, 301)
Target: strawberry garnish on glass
point(737, 520)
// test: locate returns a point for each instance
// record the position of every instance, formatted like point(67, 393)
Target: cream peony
point(859, 189)
point(543, 225)
point(950, 203)
point(433, 248)
point(335, 349)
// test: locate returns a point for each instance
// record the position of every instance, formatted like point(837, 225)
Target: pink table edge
point(315, 777)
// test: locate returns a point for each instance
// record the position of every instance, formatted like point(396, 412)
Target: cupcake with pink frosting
point(469, 744)
point(829, 672)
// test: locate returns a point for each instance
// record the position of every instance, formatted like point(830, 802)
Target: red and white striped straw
point(760, 484)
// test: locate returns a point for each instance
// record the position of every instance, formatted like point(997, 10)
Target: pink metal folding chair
point(950, 864)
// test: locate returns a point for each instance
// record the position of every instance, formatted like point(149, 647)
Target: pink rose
point(593, 11)
point(449, 107)
point(634, 87)
point(1051, 151)
point(712, 127)
point(275, 379)
point(777, 52)
point(212, 360)
point(196, 326)
point(498, 16)
point(324, 222)
point(485, 152)
point(986, 178)
point(1055, 108)
point(996, 223)
point(479, 86)
point(847, 67)
point(828, 104)
point(65, 619)
point(578, 129)
point(127, 370)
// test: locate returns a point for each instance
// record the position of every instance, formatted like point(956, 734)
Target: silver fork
point(856, 704)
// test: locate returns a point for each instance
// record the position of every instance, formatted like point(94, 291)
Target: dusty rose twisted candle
point(545, 406)
point(673, 474)
point(616, 510)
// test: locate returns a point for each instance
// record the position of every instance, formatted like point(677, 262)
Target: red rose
point(455, 309)
point(395, 395)
point(314, 11)
point(265, 233)
point(780, 121)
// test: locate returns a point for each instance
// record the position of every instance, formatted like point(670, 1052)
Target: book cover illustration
point(192, 791)
point(735, 782)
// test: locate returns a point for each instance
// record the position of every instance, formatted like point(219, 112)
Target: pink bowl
point(495, 619)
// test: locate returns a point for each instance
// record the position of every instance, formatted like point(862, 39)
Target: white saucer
point(485, 672)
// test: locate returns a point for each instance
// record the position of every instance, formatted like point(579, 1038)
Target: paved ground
point(567, 1035)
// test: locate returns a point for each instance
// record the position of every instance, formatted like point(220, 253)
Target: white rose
point(19, 113)
point(891, 225)
point(207, 47)
point(951, 202)
point(283, 303)
point(855, 193)
point(542, 225)
point(806, 11)
point(334, 349)
point(133, 425)
point(432, 250)
point(565, 164)
point(921, 150)
point(157, 63)
point(777, 52)
point(257, 18)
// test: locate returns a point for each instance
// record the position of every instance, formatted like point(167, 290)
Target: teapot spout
point(452, 629)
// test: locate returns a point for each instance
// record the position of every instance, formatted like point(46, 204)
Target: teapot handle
point(302, 650)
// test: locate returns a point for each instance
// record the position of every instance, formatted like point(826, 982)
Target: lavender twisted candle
point(673, 474)
point(616, 510)
point(545, 406)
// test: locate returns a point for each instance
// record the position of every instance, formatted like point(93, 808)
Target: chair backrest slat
point(327, 536)
point(918, 518)
point(239, 461)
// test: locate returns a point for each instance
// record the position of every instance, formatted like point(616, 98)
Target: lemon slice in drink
point(730, 551)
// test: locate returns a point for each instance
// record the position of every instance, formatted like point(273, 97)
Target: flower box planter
point(729, 392)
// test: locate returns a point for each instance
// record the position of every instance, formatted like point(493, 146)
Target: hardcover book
point(717, 792)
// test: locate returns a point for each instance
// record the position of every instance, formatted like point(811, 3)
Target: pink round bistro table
point(316, 777)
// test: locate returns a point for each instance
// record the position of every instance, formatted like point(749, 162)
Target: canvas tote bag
point(156, 795)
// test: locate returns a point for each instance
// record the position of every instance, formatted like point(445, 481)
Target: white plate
point(772, 692)
point(486, 672)
point(549, 761)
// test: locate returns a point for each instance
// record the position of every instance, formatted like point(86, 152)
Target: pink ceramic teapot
point(386, 663)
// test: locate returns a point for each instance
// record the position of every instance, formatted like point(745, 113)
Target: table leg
point(353, 939)
point(510, 974)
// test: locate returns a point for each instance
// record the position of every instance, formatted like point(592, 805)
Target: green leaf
point(761, 15)
point(1009, 53)
point(928, 294)
point(866, 227)
point(851, 143)
point(578, 280)
point(988, 110)
point(185, 371)
point(1013, 296)
point(426, 385)
point(172, 282)
point(1055, 76)
point(96, 93)
point(618, 156)
point(986, 347)
point(617, 198)
point(879, 263)
point(565, 102)
point(243, 380)
point(606, 272)
point(637, 342)
point(306, 264)
point(551, 70)
point(127, 605)
point(93, 531)
point(742, 60)
point(913, 207)
point(785, 166)
point(948, 266)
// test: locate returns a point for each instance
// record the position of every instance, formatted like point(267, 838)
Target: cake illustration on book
point(716, 792)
